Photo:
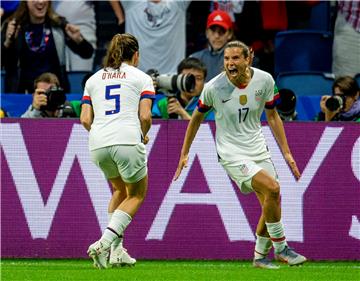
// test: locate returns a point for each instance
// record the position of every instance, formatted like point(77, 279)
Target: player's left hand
point(183, 162)
point(145, 140)
point(292, 164)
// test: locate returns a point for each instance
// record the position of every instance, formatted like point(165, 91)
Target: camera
point(55, 98)
point(287, 105)
point(335, 102)
point(173, 83)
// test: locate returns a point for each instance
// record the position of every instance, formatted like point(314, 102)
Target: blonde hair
point(122, 48)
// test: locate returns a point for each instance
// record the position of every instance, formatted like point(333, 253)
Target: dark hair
point(21, 15)
point(194, 63)
point(122, 48)
point(238, 44)
point(348, 86)
point(47, 77)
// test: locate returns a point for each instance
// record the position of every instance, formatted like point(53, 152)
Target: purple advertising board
point(54, 200)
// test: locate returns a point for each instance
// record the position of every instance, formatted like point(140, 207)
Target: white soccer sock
point(276, 232)
point(262, 247)
point(118, 223)
point(118, 241)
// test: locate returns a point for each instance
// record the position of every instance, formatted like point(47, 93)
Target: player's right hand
point(183, 162)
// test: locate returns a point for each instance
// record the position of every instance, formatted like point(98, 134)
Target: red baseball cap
point(220, 18)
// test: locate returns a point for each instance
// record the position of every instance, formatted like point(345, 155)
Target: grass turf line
point(71, 270)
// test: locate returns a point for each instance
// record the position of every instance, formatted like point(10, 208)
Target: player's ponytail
point(122, 48)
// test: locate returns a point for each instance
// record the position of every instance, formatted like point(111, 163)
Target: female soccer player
point(116, 111)
point(238, 96)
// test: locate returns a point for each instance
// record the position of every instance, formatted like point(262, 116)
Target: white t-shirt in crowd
point(161, 31)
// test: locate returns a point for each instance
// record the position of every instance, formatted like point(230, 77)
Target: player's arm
point(277, 128)
point(194, 124)
point(86, 116)
point(145, 117)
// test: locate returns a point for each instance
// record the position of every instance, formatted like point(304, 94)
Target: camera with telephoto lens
point(55, 98)
point(335, 102)
point(173, 83)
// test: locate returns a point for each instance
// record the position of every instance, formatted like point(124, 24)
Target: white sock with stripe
point(118, 241)
point(118, 223)
point(277, 235)
point(262, 247)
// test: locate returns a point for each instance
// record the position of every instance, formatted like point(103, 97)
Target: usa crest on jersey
point(243, 99)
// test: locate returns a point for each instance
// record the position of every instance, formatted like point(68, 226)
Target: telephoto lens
point(177, 82)
point(335, 102)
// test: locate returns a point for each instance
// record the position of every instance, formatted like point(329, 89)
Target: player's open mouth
point(233, 72)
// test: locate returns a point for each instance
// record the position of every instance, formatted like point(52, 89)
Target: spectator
point(182, 104)
point(219, 30)
point(159, 26)
point(49, 100)
point(232, 7)
point(33, 42)
point(346, 50)
point(82, 14)
point(344, 104)
point(287, 105)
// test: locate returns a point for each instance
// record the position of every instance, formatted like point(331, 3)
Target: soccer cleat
point(99, 253)
point(264, 263)
point(120, 257)
point(289, 256)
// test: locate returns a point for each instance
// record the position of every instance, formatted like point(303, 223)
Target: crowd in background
point(62, 36)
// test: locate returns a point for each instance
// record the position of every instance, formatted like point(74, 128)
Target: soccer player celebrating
point(116, 111)
point(238, 96)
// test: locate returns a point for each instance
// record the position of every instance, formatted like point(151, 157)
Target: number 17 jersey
point(115, 95)
point(237, 114)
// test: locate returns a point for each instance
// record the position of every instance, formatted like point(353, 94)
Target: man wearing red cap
point(219, 31)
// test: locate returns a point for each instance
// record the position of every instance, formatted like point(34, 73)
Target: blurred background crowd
point(311, 48)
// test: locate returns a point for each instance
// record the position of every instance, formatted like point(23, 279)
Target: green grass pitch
point(146, 270)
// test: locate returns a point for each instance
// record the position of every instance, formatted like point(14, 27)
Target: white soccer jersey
point(115, 96)
point(237, 115)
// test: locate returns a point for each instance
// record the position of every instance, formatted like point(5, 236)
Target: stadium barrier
point(54, 200)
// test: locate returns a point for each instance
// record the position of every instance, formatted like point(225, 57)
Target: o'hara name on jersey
point(114, 75)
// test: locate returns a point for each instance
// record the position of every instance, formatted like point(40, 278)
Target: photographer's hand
point(329, 115)
point(174, 106)
point(39, 99)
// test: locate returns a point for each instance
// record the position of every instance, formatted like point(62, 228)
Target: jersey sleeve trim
point(147, 95)
point(202, 107)
point(274, 102)
point(86, 100)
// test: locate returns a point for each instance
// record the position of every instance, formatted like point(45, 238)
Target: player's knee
point(274, 190)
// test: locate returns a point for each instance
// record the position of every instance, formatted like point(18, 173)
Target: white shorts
point(242, 172)
point(127, 161)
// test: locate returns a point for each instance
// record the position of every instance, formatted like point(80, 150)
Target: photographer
point(344, 104)
point(49, 100)
point(181, 104)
